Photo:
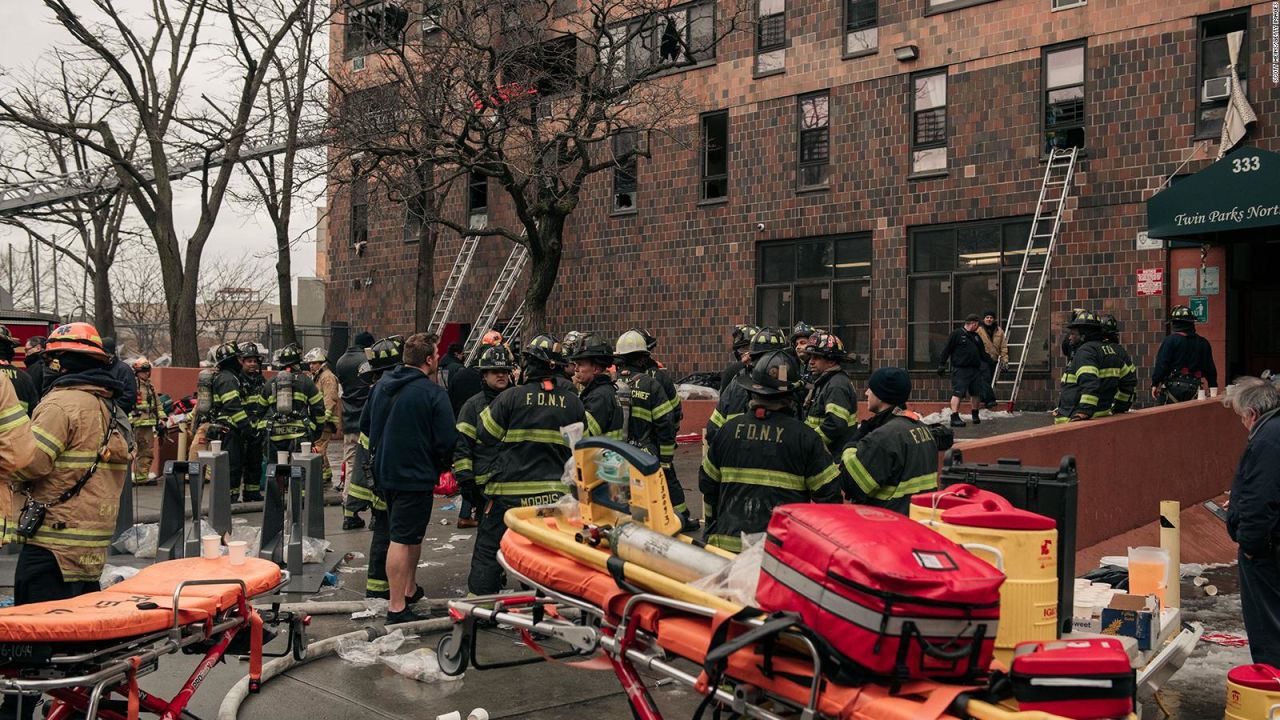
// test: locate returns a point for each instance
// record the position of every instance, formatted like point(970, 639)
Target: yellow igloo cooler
point(1253, 693)
point(930, 506)
point(1024, 546)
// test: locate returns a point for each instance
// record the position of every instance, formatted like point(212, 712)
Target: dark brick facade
point(685, 269)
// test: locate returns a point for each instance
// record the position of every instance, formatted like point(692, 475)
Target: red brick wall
point(685, 270)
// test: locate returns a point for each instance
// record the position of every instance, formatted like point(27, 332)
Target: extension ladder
point(507, 280)
point(449, 294)
point(1043, 238)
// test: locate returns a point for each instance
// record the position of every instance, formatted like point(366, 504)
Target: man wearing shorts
point(964, 350)
point(411, 436)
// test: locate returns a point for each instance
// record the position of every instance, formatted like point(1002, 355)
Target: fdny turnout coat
point(1127, 384)
point(327, 383)
point(832, 409)
point(652, 425)
point(74, 424)
point(759, 460)
point(471, 460)
point(148, 411)
point(894, 457)
point(604, 413)
point(1090, 383)
point(16, 442)
point(22, 385)
point(254, 399)
point(524, 424)
point(734, 400)
point(307, 416)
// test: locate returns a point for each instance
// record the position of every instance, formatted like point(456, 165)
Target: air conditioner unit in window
point(357, 62)
point(1064, 4)
point(1216, 89)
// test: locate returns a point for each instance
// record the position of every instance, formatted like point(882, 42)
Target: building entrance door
point(1253, 335)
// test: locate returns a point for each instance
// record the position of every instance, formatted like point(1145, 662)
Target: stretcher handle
point(981, 547)
point(1274, 712)
point(177, 595)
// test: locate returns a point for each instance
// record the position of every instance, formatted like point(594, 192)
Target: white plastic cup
point(215, 446)
point(210, 546)
point(1200, 394)
point(1213, 392)
point(306, 448)
point(478, 714)
point(455, 715)
point(282, 457)
point(236, 550)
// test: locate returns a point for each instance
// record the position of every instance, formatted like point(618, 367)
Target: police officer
point(742, 335)
point(148, 414)
point(382, 356)
point(253, 394)
point(649, 412)
point(327, 383)
point(1184, 362)
point(894, 454)
point(1090, 383)
point(667, 452)
point(524, 424)
point(734, 398)
point(831, 407)
point(1127, 384)
point(227, 420)
point(297, 413)
point(472, 460)
point(21, 381)
point(355, 393)
point(591, 361)
point(764, 457)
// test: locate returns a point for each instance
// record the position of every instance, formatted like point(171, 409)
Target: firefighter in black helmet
point(296, 413)
point(524, 424)
point(227, 421)
point(1127, 385)
point(1184, 363)
point(1090, 382)
point(472, 460)
point(380, 357)
point(742, 335)
point(798, 341)
point(591, 362)
point(764, 457)
point(253, 391)
point(734, 399)
point(831, 407)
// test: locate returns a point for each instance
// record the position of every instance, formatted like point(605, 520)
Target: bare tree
point(141, 314)
point(233, 299)
point(147, 58)
point(535, 103)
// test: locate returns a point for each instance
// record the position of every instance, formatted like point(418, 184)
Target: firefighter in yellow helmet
point(327, 383)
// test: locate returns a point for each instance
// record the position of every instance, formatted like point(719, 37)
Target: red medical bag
point(891, 597)
point(1081, 679)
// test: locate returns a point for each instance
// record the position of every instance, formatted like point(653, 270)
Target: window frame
point(1000, 269)
point(945, 143)
point(621, 168)
point(950, 5)
point(801, 165)
point(1199, 131)
point(1045, 90)
point(760, 51)
point(623, 33)
point(845, 53)
point(358, 222)
point(472, 209)
point(723, 177)
point(365, 48)
point(832, 280)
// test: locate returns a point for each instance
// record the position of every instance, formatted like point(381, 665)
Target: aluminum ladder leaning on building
point(497, 299)
point(1020, 325)
point(461, 264)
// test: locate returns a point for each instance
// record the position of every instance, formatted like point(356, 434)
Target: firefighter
point(1071, 338)
point(124, 374)
point(894, 455)
point(147, 419)
point(1184, 363)
point(734, 399)
point(831, 407)
point(381, 356)
point(742, 335)
point(18, 378)
point(16, 441)
point(799, 340)
point(524, 424)
point(649, 412)
point(253, 394)
point(355, 393)
point(226, 421)
point(764, 457)
point(1127, 384)
point(1090, 382)
point(328, 385)
point(667, 452)
point(591, 361)
point(297, 413)
point(471, 460)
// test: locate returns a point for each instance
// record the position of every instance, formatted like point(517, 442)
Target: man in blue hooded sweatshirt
point(411, 436)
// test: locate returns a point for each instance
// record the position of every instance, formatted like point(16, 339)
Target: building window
point(945, 5)
point(681, 36)
point(1215, 65)
point(415, 217)
point(861, 34)
point(1063, 98)
point(814, 119)
point(372, 27)
point(824, 281)
point(360, 211)
point(715, 155)
point(955, 270)
point(370, 113)
point(432, 11)
point(624, 172)
point(477, 194)
point(771, 36)
point(929, 122)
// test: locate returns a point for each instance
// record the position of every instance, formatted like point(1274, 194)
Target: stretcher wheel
point(298, 639)
point(452, 653)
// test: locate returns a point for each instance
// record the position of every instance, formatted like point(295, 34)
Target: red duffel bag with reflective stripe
point(893, 598)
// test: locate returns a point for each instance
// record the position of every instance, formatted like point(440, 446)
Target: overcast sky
point(27, 31)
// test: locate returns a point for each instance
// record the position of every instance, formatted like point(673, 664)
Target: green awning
point(1239, 192)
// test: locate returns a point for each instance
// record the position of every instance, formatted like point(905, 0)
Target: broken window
point(680, 36)
point(373, 26)
point(624, 172)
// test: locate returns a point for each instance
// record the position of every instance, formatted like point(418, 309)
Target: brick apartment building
point(873, 167)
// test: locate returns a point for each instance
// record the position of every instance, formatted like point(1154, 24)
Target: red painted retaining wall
point(1129, 463)
point(698, 412)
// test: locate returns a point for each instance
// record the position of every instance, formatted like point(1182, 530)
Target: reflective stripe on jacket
point(832, 409)
point(524, 422)
point(895, 459)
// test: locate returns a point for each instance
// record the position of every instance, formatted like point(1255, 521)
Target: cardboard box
point(1135, 616)
point(1085, 625)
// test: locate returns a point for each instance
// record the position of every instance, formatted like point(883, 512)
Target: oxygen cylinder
point(204, 393)
point(667, 556)
point(623, 394)
point(284, 392)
